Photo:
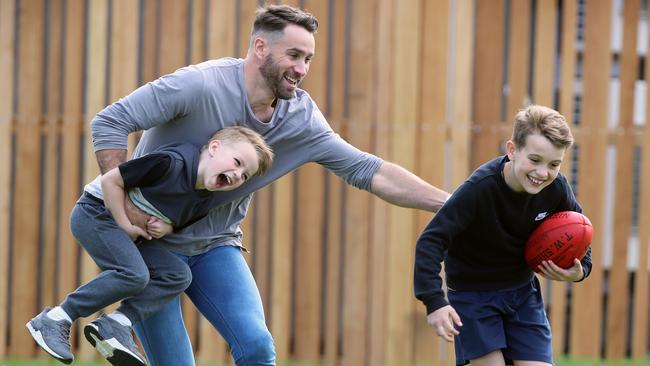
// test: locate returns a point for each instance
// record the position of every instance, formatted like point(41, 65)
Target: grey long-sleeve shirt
point(191, 104)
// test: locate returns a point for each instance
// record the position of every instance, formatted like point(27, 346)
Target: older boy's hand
point(158, 228)
point(443, 321)
point(550, 270)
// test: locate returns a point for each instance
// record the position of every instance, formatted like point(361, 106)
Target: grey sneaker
point(52, 336)
point(114, 341)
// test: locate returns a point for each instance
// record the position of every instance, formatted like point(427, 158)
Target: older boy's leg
point(531, 363)
point(491, 359)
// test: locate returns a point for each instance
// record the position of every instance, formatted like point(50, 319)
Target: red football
point(561, 237)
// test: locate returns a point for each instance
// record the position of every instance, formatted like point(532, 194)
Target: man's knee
point(258, 350)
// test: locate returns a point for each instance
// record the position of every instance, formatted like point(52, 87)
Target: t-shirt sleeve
point(146, 170)
point(152, 104)
point(354, 166)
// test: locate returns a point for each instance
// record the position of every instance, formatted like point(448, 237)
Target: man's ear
point(260, 47)
point(510, 149)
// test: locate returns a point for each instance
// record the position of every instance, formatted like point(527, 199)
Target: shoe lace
point(63, 333)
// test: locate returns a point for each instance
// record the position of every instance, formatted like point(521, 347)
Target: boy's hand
point(134, 232)
point(135, 215)
point(550, 270)
point(158, 228)
point(443, 321)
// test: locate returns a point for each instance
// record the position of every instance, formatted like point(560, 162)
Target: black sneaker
point(114, 341)
point(52, 336)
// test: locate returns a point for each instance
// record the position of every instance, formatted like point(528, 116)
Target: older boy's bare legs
point(496, 359)
point(491, 359)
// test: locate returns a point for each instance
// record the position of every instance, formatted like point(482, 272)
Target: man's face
point(287, 63)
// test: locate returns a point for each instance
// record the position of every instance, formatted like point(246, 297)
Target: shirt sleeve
point(354, 166)
point(432, 245)
point(146, 170)
point(152, 104)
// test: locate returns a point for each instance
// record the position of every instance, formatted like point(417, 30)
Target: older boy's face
point(535, 165)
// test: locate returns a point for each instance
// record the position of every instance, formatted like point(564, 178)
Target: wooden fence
point(429, 84)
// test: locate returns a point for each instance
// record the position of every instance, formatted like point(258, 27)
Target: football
point(561, 237)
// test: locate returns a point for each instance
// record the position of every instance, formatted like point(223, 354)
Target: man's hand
point(137, 217)
point(550, 270)
point(443, 321)
point(158, 228)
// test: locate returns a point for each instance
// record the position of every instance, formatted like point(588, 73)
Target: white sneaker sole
point(111, 348)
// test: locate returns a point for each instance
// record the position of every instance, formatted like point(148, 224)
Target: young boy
point(495, 307)
point(175, 185)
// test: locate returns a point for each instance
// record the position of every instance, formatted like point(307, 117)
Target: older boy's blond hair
point(232, 134)
point(537, 119)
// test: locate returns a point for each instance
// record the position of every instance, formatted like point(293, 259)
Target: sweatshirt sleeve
point(152, 104)
point(432, 245)
point(571, 204)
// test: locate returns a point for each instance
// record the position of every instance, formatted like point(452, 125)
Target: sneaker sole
point(111, 349)
point(38, 338)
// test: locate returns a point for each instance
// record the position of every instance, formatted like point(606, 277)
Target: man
point(260, 92)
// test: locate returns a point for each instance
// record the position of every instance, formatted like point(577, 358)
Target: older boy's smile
point(534, 166)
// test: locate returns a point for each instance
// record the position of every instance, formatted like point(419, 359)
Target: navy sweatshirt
point(480, 234)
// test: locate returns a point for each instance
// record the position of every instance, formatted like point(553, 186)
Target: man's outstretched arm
point(398, 186)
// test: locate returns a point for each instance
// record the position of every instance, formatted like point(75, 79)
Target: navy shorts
point(511, 320)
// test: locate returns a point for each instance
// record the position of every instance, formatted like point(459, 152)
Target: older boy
point(480, 233)
point(174, 184)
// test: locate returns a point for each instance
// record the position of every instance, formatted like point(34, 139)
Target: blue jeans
point(224, 291)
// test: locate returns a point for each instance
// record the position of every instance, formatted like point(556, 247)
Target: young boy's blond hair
point(228, 135)
point(544, 121)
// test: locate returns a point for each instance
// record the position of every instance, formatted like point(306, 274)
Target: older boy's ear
point(510, 149)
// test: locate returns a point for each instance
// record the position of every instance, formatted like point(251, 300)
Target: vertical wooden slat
point(518, 57)
point(544, 53)
point(173, 35)
point(431, 139)
point(96, 99)
point(401, 222)
point(197, 24)
point(70, 162)
point(150, 38)
point(378, 254)
point(488, 77)
point(358, 215)
point(28, 154)
point(7, 20)
point(51, 154)
point(460, 90)
point(310, 218)
point(641, 306)
point(586, 310)
point(124, 54)
point(335, 207)
point(558, 304)
point(282, 239)
point(246, 17)
point(221, 34)
point(618, 299)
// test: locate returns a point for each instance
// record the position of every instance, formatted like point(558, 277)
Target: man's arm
point(398, 186)
point(109, 159)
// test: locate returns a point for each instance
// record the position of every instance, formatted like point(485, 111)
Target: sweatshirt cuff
point(435, 303)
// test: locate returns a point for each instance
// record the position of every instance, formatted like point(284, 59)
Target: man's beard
point(274, 76)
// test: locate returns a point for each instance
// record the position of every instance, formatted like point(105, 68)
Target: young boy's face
point(534, 166)
point(229, 165)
